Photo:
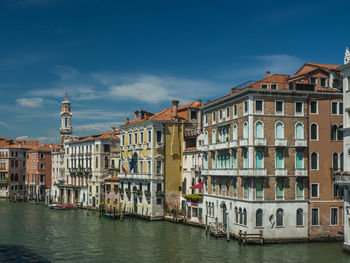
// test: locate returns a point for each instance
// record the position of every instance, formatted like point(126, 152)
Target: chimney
point(200, 102)
point(175, 106)
point(136, 114)
point(267, 74)
point(127, 120)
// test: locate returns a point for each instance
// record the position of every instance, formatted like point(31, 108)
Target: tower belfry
point(66, 116)
point(347, 56)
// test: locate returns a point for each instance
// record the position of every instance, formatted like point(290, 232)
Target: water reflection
point(17, 254)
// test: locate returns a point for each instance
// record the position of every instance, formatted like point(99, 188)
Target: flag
point(132, 166)
point(123, 169)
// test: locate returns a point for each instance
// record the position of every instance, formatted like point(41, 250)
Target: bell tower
point(347, 56)
point(66, 124)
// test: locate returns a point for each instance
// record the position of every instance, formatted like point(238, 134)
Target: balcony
point(342, 179)
point(300, 172)
point(159, 145)
point(300, 143)
point(222, 172)
point(280, 142)
point(243, 142)
point(203, 148)
point(281, 171)
point(260, 142)
point(253, 172)
point(223, 145)
point(143, 176)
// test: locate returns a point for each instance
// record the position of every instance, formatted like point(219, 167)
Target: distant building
point(66, 130)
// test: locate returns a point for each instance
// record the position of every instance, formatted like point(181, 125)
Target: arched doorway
point(223, 212)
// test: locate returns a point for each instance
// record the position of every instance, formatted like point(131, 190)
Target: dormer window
point(193, 115)
point(323, 82)
point(264, 86)
point(274, 86)
point(313, 81)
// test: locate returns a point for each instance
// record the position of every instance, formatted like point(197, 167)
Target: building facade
point(58, 174)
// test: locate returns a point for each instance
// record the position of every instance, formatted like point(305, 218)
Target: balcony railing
point(136, 176)
point(300, 172)
point(243, 142)
point(253, 172)
point(222, 172)
point(223, 145)
point(281, 172)
point(300, 142)
point(203, 148)
point(341, 179)
point(260, 142)
point(280, 142)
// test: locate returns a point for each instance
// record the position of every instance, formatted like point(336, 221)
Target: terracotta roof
point(115, 178)
point(105, 135)
point(194, 148)
point(309, 67)
point(193, 104)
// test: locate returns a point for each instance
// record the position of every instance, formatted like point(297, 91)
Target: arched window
point(228, 161)
point(213, 138)
point(213, 159)
point(96, 164)
point(184, 187)
point(106, 162)
point(299, 131)
point(259, 191)
point(259, 132)
point(300, 217)
point(244, 217)
point(206, 161)
point(300, 190)
point(235, 134)
point(236, 214)
point(279, 160)
point(235, 160)
point(314, 131)
point(245, 159)
point(279, 190)
point(279, 217)
point(245, 130)
point(259, 218)
point(206, 138)
point(334, 129)
point(299, 160)
point(259, 160)
point(340, 133)
point(240, 216)
point(341, 162)
point(314, 161)
point(279, 130)
point(335, 162)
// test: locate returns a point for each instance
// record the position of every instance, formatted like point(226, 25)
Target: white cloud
point(22, 138)
point(30, 102)
point(3, 124)
point(96, 114)
point(99, 127)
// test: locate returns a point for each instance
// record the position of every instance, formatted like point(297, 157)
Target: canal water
point(34, 233)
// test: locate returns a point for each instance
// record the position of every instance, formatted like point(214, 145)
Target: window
point(279, 107)
point(279, 130)
point(235, 134)
point(206, 119)
point(314, 217)
point(279, 160)
point(259, 191)
point(279, 190)
point(335, 162)
point(341, 162)
point(300, 217)
point(235, 110)
point(244, 217)
point(122, 140)
point(135, 138)
point(214, 117)
point(313, 107)
point(299, 163)
point(193, 115)
point(258, 106)
point(340, 133)
point(159, 167)
point(313, 81)
point(298, 108)
point(300, 190)
point(274, 86)
point(334, 128)
point(337, 107)
point(149, 136)
point(141, 137)
point(245, 130)
point(228, 113)
point(213, 136)
point(314, 161)
point(245, 159)
point(279, 217)
point(236, 215)
point(314, 190)
point(259, 218)
point(314, 131)
point(246, 106)
point(220, 114)
point(159, 136)
point(323, 82)
point(245, 190)
point(259, 133)
point(264, 86)
point(299, 131)
point(235, 160)
point(259, 160)
point(340, 108)
point(334, 216)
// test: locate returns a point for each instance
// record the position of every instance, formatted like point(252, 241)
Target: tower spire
point(347, 56)
point(66, 117)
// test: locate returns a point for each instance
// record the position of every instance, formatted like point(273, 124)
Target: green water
point(72, 236)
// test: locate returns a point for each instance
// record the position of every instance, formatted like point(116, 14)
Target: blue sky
point(118, 56)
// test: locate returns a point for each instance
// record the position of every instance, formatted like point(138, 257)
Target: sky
point(114, 57)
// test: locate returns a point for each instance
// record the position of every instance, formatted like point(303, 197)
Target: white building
point(343, 179)
point(58, 174)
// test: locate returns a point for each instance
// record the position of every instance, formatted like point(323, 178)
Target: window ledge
point(280, 226)
point(300, 226)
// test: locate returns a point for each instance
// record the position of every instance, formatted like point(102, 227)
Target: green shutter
point(259, 190)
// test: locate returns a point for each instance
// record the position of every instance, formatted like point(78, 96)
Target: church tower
point(347, 56)
point(66, 116)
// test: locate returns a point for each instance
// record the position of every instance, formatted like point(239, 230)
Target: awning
point(198, 186)
point(224, 125)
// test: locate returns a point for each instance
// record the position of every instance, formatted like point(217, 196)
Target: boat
point(61, 207)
